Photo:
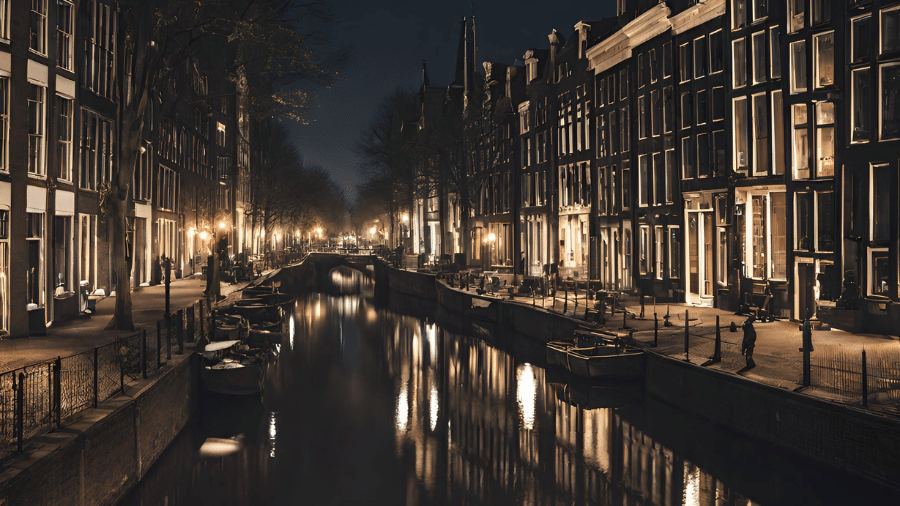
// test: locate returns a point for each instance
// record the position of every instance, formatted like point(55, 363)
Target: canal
point(371, 405)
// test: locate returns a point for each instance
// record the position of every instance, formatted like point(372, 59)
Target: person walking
point(749, 341)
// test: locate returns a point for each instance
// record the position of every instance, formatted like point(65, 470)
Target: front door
point(806, 282)
point(700, 257)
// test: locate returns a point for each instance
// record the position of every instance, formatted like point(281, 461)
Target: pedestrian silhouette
point(749, 341)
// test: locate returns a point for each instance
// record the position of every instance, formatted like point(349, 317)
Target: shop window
point(779, 235)
point(775, 52)
point(879, 272)
point(825, 223)
point(860, 38)
point(796, 15)
point(702, 107)
point(739, 57)
point(716, 49)
point(674, 252)
point(861, 105)
point(825, 139)
point(686, 110)
point(798, 66)
point(687, 158)
point(700, 57)
point(889, 106)
point(761, 148)
point(741, 146)
point(777, 133)
point(823, 45)
point(890, 29)
point(800, 142)
point(684, 62)
point(758, 43)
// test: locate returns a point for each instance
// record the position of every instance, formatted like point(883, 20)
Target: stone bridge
point(315, 271)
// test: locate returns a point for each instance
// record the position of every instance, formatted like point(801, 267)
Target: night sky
point(390, 38)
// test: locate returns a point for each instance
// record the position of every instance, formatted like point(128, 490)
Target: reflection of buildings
point(476, 426)
point(649, 163)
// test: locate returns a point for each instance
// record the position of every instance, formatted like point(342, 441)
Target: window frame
point(42, 14)
point(881, 13)
point(40, 133)
point(757, 48)
point(880, 98)
point(792, 64)
point(867, 105)
point(742, 68)
point(701, 69)
point(817, 76)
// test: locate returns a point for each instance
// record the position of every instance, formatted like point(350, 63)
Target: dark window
point(702, 107)
point(703, 166)
point(716, 58)
point(825, 233)
point(667, 59)
point(668, 109)
point(686, 108)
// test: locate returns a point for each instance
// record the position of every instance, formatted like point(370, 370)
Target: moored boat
point(234, 369)
point(283, 300)
point(606, 361)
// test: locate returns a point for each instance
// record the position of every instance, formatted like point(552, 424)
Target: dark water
point(367, 406)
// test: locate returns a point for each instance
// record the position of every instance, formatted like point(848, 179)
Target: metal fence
point(840, 370)
point(40, 396)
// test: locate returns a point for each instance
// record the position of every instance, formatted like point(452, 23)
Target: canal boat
point(283, 300)
point(232, 368)
point(256, 313)
point(558, 350)
point(606, 360)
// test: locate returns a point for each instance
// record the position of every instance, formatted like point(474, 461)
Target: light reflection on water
point(370, 407)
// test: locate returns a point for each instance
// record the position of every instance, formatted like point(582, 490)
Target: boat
point(257, 291)
point(262, 338)
point(255, 313)
point(283, 300)
point(606, 360)
point(558, 350)
point(233, 368)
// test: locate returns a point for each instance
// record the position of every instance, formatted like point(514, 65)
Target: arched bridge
point(316, 269)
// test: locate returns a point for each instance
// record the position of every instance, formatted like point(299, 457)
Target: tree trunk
point(117, 211)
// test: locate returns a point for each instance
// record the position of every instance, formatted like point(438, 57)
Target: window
point(644, 250)
point(738, 14)
point(684, 62)
point(823, 45)
point(741, 134)
point(644, 186)
point(760, 9)
point(700, 57)
point(687, 108)
point(777, 133)
point(798, 66)
point(659, 179)
point(601, 92)
point(688, 169)
point(860, 38)
point(703, 167)
point(667, 59)
point(4, 34)
point(4, 125)
point(800, 143)
point(37, 34)
point(65, 17)
point(641, 72)
point(62, 253)
point(861, 109)
point(642, 117)
point(716, 58)
point(719, 151)
point(879, 272)
point(825, 139)
point(36, 129)
point(659, 237)
point(140, 184)
point(881, 197)
point(821, 11)
point(796, 15)
point(718, 103)
point(654, 66)
point(825, 223)
point(890, 29)
point(611, 89)
point(655, 111)
point(96, 150)
point(623, 84)
point(626, 132)
point(778, 220)
point(739, 57)
point(775, 50)
point(668, 110)
point(167, 185)
point(674, 252)
point(758, 221)
point(626, 188)
point(702, 107)
point(758, 42)
point(64, 137)
point(34, 274)
point(760, 134)
point(889, 107)
point(99, 57)
point(4, 269)
point(613, 133)
point(671, 176)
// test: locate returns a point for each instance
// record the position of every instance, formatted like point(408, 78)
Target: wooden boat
point(606, 361)
point(262, 338)
point(284, 300)
point(255, 313)
point(234, 369)
point(248, 301)
point(558, 350)
point(270, 326)
point(225, 332)
point(257, 291)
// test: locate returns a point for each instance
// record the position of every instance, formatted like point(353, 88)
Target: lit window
point(825, 139)
point(823, 44)
point(800, 145)
point(758, 43)
point(860, 37)
point(890, 29)
point(778, 220)
point(889, 107)
point(775, 51)
point(861, 105)
point(798, 66)
point(739, 56)
point(741, 134)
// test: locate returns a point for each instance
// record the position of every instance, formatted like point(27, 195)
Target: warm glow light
point(192, 231)
point(402, 411)
point(372, 230)
point(405, 218)
point(319, 231)
point(526, 394)
point(203, 235)
point(492, 237)
point(222, 225)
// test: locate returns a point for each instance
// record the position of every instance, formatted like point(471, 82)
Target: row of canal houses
point(63, 71)
point(717, 152)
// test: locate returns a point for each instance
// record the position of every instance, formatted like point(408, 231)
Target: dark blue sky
point(390, 38)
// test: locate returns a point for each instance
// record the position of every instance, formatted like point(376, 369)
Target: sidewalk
point(779, 362)
point(82, 333)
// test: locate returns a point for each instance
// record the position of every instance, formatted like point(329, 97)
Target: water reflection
point(371, 407)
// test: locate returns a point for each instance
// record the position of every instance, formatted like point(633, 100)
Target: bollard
point(624, 317)
point(180, 331)
point(168, 337)
point(687, 338)
point(158, 344)
point(655, 330)
point(733, 327)
point(57, 389)
point(717, 351)
point(642, 306)
point(190, 324)
point(144, 353)
point(20, 408)
point(865, 381)
point(666, 322)
point(565, 299)
point(200, 304)
point(96, 380)
point(806, 349)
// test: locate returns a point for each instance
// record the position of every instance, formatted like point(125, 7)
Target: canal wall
point(842, 437)
point(99, 456)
